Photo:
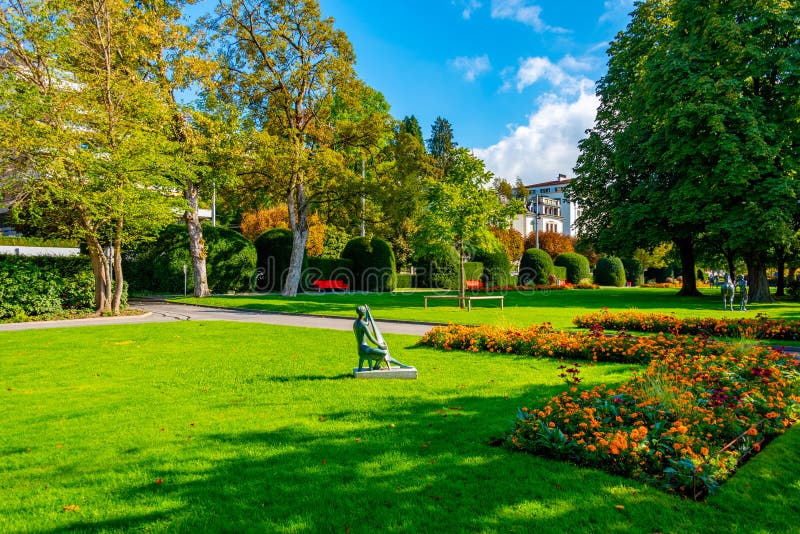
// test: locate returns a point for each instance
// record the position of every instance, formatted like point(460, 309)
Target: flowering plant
point(758, 327)
point(668, 425)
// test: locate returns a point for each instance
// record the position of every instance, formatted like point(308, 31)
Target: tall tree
point(410, 125)
point(285, 65)
point(87, 126)
point(441, 144)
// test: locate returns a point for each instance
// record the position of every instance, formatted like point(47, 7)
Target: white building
point(548, 209)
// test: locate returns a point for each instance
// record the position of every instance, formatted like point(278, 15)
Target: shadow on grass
point(420, 468)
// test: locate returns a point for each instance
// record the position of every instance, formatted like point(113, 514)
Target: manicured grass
point(521, 308)
point(190, 427)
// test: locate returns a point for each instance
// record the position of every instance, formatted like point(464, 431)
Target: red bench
point(322, 285)
point(474, 284)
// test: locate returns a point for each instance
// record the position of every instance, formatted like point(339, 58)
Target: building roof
point(562, 181)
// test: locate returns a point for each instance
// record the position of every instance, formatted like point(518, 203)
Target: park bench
point(468, 299)
point(333, 285)
point(472, 285)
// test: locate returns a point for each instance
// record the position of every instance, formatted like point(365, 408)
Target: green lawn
point(521, 308)
point(208, 427)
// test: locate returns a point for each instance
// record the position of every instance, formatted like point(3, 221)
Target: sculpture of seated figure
point(361, 329)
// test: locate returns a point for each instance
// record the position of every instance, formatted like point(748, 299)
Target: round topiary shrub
point(496, 265)
point(609, 271)
point(634, 274)
point(535, 267)
point(577, 266)
point(373, 263)
point(437, 267)
point(273, 254)
point(158, 266)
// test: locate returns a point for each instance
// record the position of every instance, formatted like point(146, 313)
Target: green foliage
point(373, 264)
point(437, 267)
point(158, 266)
point(560, 272)
point(334, 243)
point(35, 286)
point(535, 267)
point(273, 251)
point(609, 271)
point(633, 271)
point(405, 280)
point(577, 266)
point(496, 265)
point(473, 270)
point(328, 269)
point(37, 242)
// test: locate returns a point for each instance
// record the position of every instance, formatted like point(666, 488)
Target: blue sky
point(514, 77)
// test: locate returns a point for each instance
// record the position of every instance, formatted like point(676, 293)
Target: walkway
point(160, 312)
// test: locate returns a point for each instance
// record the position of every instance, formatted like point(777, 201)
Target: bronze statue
point(727, 289)
point(743, 293)
point(361, 328)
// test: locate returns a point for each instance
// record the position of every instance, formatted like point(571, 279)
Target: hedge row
point(36, 286)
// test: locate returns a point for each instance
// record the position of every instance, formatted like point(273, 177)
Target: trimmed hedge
point(473, 270)
point(437, 267)
point(34, 286)
point(560, 272)
point(158, 266)
point(373, 264)
point(496, 265)
point(273, 254)
point(633, 271)
point(328, 269)
point(404, 281)
point(577, 266)
point(535, 267)
point(609, 271)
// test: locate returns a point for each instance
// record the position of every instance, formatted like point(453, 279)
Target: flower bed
point(670, 424)
point(758, 327)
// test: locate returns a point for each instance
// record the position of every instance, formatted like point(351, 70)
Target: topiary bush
point(273, 254)
point(437, 267)
point(158, 266)
point(328, 269)
point(609, 271)
point(577, 266)
point(633, 271)
point(560, 272)
point(473, 270)
point(373, 264)
point(496, 265)
point(535, 267)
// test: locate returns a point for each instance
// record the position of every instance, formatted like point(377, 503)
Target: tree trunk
point(197, 246)
point(116, 300)
point(758, 290)
point(686, 250)
point(781, 260)
point(102, 278)
point(461, 282)
point(298, 221)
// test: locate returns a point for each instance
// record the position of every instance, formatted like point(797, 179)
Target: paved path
point(159, 312)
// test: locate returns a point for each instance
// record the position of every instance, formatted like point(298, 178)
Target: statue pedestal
point(405, 373)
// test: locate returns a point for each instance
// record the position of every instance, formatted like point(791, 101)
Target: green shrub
point(335, 241)
point(609, 271)
point(560, 272)
point(633, 271)
point(273, 255)
point(535, 267)
point(405, 280)
point(373, 263)
point(32, 286)
point(473, 270)
point(496, 265)
point(437, 267)
point(328, 269)
point(158, 266)
point(576, 264)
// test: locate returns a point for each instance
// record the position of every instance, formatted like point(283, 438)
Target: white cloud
point(520, 11)
point(547, 145)
point(469, 7)
point(534, 69)
point(471, 67)
point(616, 11)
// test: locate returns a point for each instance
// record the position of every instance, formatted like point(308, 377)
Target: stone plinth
point(405, 373)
